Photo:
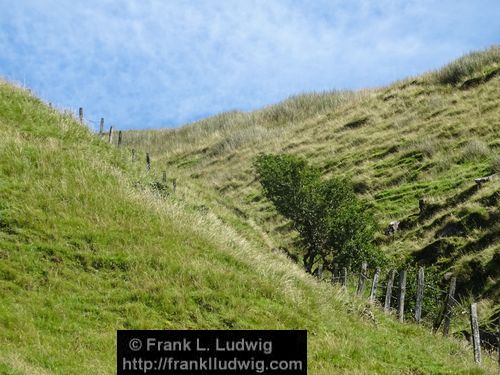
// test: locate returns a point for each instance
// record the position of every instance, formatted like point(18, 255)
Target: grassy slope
point(86, 248)
point(426, 137)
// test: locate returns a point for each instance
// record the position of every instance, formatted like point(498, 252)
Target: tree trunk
point(308, 262)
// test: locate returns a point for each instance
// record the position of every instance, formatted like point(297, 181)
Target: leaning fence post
point(402, 291)
point(148, 161)
point(373, 292)
point(388, 291)
point(361, 280)
point(420, 295)
point(110, 136)
point(101, 126)
point(174, 184)
point(449, 306)
point(343, 278)
point(476, 342)
point(119, 138)
point(80, 114)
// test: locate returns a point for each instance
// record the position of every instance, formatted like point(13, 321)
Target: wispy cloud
point(159, 63)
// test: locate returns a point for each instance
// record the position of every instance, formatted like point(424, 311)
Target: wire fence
point(436, 307)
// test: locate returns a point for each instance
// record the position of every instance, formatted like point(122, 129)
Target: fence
point(341, 276)
point(109, 137)
point(391, 301)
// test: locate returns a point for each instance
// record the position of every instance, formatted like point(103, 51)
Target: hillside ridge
point(413, 149)
point(92, 242)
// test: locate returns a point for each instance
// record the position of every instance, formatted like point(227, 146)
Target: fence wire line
point(447, 313)
point(94, 122)
point(382, 283)
point(436, 289)
point(448, 304)
point(363, 276)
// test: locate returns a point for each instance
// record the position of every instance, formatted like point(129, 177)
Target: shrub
point(333, 224)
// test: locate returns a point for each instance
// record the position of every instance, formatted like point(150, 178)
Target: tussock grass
point(472, 63)
point(231, 131)
point(475, 150)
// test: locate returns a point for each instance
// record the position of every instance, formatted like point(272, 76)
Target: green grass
point(88, 247)
point(424, 137)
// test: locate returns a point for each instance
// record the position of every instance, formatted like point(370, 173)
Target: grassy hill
point(90, 242)
point(425, 137)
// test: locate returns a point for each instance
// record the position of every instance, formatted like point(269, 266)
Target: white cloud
point(151, 63)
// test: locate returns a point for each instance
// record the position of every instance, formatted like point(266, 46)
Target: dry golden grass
point(422, 137)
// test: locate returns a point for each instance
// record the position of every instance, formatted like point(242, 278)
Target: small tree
point(333, 224)
point(350, 225)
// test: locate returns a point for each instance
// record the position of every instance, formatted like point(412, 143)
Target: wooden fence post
point(420, 295)
point(148, 161)
point(101, 126)
point(110, 136)
point(474, 326)
point(133, 154)
point(373, 292)
point(174, 184)
point(319, 271)
point(119, 138)
point(449, 306)
point(402, 291)
point(343, 278)
point(335, 274)
point(80, 114)
point(361, 280)
point(388, 291)
point(164, 177)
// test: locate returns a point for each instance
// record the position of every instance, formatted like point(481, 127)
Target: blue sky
point(146, 63)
